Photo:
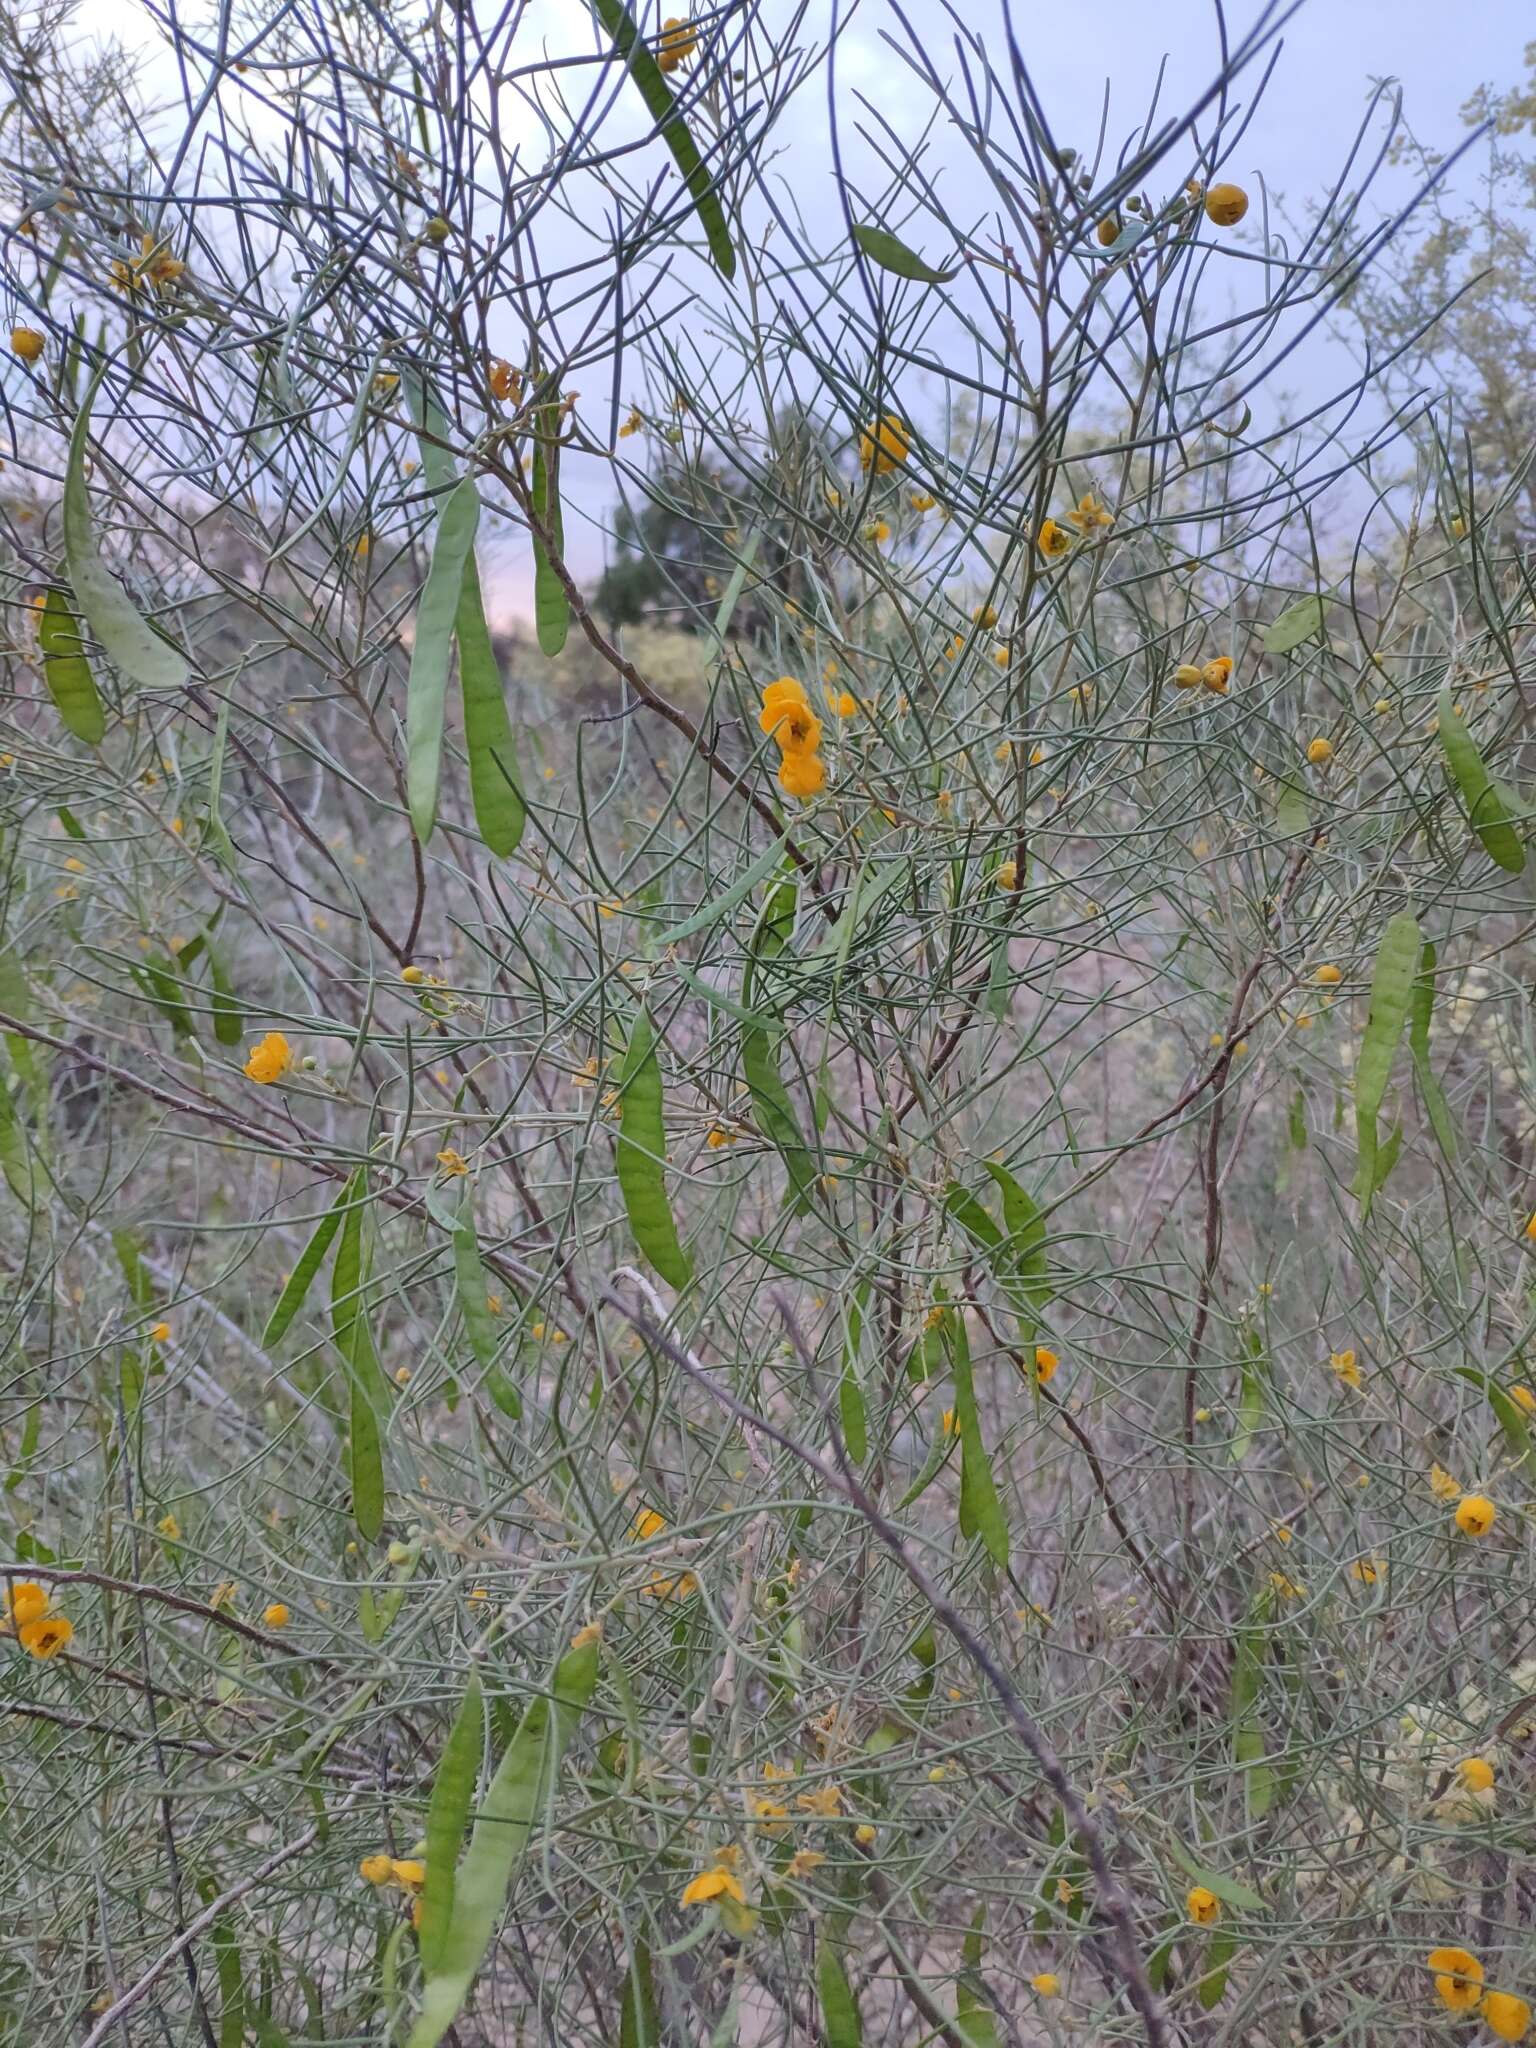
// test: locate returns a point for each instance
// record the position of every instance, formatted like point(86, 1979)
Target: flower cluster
point(1211, 675)
point(30, 1617)
point(679, 40)
point(1458, 1979)
point(796, 729)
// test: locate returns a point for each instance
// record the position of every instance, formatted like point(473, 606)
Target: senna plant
point(764, 1052)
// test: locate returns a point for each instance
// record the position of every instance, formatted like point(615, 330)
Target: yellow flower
point(505, 382)
point(27, 343)
point(1052, 540)
point(922, 501)
point(46, 1637)
point(1046, 1984)
point(823, 1800)
point(160, 1334)
point(803, 1862)
point(1089, 513)
point(270, 1058)
point(1046, 1363)
point(877, 531)
point(1475, 1773)
point(1225, 205)
point(1328, 976)
point(1345, 1364)
point(1008, 874)
point(1458, 1978)
point(1203, 1906)
point(985, 616)
point(949, 1423)
point(843, 703)
point(769, 1814)
point(376, 1869)
point(1523, 1397)
point(679, 40)
point(796, 728)
point(802, 774)
point(26, 1602)
point(1367, 1570)
point(781, 697)
point(1475, 1514)
point(1530, 1228)
point(1287, 1588)
point(1320, 752)
point(717, 1882)
point(865, 1833)
point(452, 1162)
point(169, 1528)
point(1217, 674)
point(885, 443)
point(647, 1524)
point(222, 1596)
point(1187, 675)
point(1441, 1484)
point(408, 1873)
point(275, 1615)
point(413, 976)
point(717, 1138)
point(1506, 2015)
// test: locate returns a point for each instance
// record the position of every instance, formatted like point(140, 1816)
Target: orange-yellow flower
point(1202, 1905)
point(1475, 1514)
point(26, 1602)
point(452, 1162)
point(270, 1058)
point(1506, 2015)
point(1328, 976)
point(275, 1615)
point(45, 1637)
point(376, 1869)
point(679, 40)
point(1458, 1978)
point(505, 382)
point(1046, 1363)
point(1225, 205)
point(802, 775)
point(1052, 540)
point(1320, 752)
point(1217, 674)
point(885, 444)
point(27, 343)
point(1524, 1397)
point(1046, 1984)
point(719, 1881)
point(797, 730)
point(779, 698)
point(160, 1334)
point(1475, 1773)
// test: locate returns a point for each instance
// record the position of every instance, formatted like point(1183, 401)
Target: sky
point(1333, 52)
